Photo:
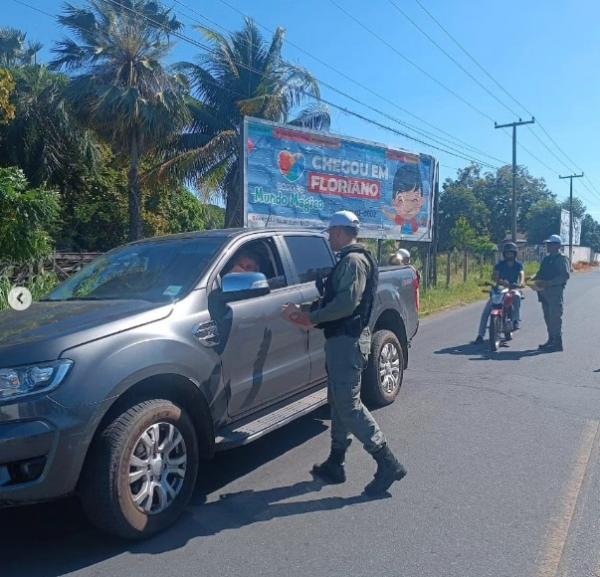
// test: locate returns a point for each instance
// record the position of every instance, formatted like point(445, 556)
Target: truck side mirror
point(237, 286)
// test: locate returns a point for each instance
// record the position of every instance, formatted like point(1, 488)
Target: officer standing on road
point(343, 314)
point(550, 282)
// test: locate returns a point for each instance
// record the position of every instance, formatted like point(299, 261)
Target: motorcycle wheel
point(495, 330)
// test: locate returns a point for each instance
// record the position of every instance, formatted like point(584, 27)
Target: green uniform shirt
point(349, 283)
point(554, 270)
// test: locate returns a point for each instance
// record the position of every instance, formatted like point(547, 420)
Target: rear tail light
point(416, 286)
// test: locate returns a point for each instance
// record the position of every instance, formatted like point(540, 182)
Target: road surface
point(503, 478)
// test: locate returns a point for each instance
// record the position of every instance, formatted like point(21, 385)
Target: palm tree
point(14, 51)
point(44, 138)
point(121, 87)
point(240, 76)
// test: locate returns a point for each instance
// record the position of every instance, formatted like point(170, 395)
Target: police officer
point(550, 282)
point(343, 314)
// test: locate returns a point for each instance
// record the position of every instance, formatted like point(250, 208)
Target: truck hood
point(46, 329)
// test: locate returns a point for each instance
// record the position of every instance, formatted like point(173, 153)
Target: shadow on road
point(52, 539)
point(504, 354)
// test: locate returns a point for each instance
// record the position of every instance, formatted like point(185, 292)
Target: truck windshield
point(160, 271)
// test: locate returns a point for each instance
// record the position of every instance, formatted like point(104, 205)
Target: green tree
point(590, 233)
point(7, 88)
point(171, 210)
point(15, 50)
point(578, 207)
point(46, 141)
point(543, 219)
point(242, 75)
point(496, 193)
point(121, 87)
point(44, 138)
point(27, 214)
point(459, 199)
point(462, 234)
point(485, 201)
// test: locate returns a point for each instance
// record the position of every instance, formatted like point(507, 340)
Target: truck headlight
point(27, 380)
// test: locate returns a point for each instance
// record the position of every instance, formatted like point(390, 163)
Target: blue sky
point(543, 52)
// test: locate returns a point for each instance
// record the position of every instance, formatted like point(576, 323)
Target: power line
point(307, 94)
point(345, 110)
point(411, 62)
point(329, 103)
point(393, 48)
point(513, 98)
point(420, 131)
point(34, 8)
point(452, 59)
point(471, 57)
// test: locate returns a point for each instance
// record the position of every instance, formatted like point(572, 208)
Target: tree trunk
point(234, 204)
point(448, 269)
point(135, 212)
point(466, 266)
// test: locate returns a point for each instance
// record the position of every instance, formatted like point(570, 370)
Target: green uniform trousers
point(346, 358)
point(552, 305)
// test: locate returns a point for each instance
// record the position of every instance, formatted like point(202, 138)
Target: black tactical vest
point(552, 266)
point(354, 324)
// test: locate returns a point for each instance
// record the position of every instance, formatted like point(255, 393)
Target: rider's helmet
point(509, 247)
point(404, 255)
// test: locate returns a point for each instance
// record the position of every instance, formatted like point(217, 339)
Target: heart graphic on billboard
point(291, 165)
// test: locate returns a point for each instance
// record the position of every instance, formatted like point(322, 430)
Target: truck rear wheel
point(382, 378)
point(141, 470)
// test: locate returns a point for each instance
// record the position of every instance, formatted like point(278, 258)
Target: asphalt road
point(503, 478)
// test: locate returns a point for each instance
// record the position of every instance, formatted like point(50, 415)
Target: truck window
point(310, 255)
point(258, 256)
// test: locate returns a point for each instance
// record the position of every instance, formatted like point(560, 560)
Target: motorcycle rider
point(510, 272)
point(399, 258)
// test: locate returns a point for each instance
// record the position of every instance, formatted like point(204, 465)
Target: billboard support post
point(571, 177)
point(379, 250)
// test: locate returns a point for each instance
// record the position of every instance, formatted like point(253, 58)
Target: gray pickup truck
point(155, 356)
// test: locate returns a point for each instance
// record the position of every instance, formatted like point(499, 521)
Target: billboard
point(298, 178)
point(564, 228)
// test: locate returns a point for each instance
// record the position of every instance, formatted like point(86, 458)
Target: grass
point(460, 293)
point(40, 286)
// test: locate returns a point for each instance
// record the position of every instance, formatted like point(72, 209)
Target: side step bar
point(242, 434)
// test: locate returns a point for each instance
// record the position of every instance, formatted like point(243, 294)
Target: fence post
point(448, 268)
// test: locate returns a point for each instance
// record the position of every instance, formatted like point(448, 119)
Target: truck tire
point(141, 470)
point(382, 378)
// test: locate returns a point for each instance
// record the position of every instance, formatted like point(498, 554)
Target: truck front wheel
point(382, 378)
point(141, 470)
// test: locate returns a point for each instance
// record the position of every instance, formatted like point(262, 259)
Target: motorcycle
point(502, 313)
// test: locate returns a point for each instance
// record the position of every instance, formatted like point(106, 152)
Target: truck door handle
point(208, 334)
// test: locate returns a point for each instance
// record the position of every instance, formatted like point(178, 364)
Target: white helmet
point(403, 254)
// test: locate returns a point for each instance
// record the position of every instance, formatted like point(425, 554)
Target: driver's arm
point(521, 280)
point(496, 276)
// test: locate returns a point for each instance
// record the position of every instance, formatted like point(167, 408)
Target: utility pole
point(571, 177)
point(514, 169)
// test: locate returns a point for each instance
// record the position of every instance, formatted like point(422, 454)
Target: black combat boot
point(389, 469)
point(332, 471)
point(546, 345)
point(555, 345)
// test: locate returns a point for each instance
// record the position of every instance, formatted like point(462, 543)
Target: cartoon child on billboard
point(407, 198)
